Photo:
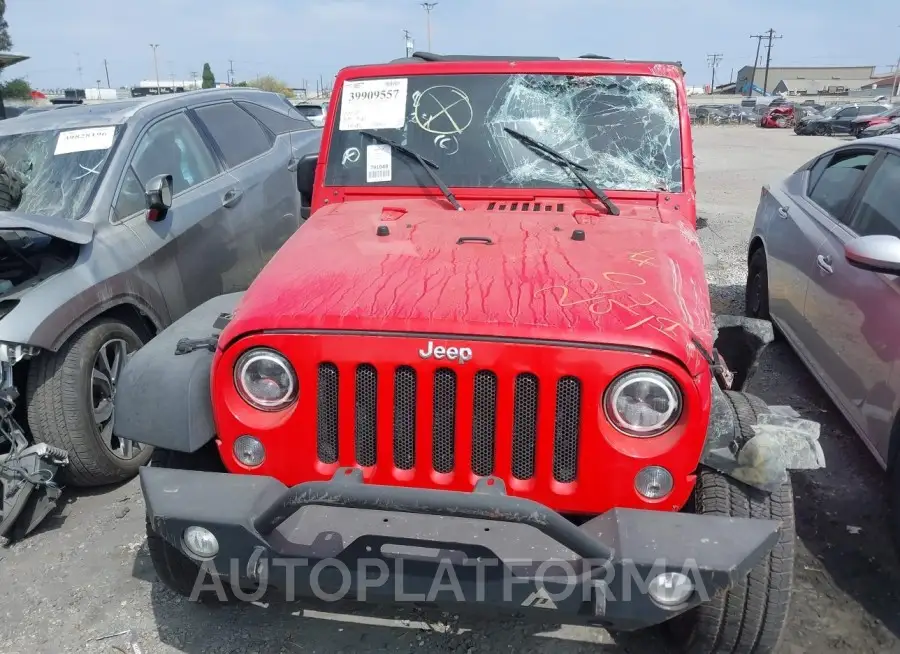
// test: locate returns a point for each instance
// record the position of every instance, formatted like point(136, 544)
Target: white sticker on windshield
point(378, 163)
point(373, 104)
point(82, 140)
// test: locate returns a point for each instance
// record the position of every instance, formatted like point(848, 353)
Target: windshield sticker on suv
point(373, 104)
point(378, 163)
point(82, 140)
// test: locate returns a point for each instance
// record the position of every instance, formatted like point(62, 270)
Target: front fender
point(163, 397)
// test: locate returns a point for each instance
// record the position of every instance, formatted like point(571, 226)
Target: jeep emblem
point(460, 354)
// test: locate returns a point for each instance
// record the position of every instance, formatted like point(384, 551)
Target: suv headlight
point(265, 379)
point(643, 403)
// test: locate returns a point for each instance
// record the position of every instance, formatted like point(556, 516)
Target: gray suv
point(115, 220)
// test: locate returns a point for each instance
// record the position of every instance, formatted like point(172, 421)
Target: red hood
point(633, 280)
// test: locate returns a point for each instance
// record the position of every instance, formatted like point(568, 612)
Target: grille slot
point(525, 206)
point(484, 423)
point(567, 429)
point(443, 431)
point(405, 418)
point(366, 416)
point(524, 436)
point(327, 413)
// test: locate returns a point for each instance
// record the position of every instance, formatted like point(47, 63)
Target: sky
point(301, 41)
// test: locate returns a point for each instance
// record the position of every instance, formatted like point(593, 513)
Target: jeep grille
point(445, 402)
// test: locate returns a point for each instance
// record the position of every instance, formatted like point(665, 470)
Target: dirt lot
point(87, 575)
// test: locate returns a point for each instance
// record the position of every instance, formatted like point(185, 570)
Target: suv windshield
point(623, 129)
point(60, 168)
point(309, 110)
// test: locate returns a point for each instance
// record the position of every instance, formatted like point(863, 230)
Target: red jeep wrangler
point(485, 369)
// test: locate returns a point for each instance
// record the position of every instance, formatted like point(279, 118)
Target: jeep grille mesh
point(428, 414)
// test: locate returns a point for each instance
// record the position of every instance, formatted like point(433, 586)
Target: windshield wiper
point(427, 164)
point(574, 166)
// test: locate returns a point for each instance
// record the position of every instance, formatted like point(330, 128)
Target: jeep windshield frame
point(624, 121)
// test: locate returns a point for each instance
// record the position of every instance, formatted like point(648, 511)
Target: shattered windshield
point(624, 129)
point(56, 171)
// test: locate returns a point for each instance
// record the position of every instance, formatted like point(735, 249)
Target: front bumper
point(345, 539)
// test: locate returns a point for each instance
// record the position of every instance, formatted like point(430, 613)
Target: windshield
point(309, 110)
point(60, 168)
point(623, 129)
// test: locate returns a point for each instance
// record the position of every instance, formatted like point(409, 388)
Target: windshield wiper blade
point(427, 164)
point(574, 166)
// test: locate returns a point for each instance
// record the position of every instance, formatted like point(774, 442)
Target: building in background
point(847, 77)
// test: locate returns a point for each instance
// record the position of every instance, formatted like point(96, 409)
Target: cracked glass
point(57, 185)
point(624, 129)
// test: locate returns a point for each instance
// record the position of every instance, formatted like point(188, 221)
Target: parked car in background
point(880, 129)
point(781, 115)
point(824, 260)
point(862, 122)
point(314, 112)
point(115, 220)
point(840, 121)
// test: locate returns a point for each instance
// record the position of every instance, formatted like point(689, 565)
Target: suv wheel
point(70, 398)
point(750, 617)
point(178, 572)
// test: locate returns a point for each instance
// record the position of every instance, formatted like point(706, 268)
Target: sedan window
point(877, 213)
point(238, 134)
point(837, 182)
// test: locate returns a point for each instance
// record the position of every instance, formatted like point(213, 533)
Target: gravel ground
point(87, 575)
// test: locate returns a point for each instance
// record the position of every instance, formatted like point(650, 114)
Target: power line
point(713, 61)
point(428, 6)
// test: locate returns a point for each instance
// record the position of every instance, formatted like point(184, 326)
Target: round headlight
point(643, 403)
point(265, 379)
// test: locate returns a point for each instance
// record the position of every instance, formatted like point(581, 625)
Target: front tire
point(756, 297)
point(70, 400)
point(750, 617)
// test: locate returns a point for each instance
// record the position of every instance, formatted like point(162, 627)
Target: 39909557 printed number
point(383, 94)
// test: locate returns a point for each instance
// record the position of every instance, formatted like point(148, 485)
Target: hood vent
point(526, 206)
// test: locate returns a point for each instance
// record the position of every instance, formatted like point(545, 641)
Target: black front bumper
point(344, 539)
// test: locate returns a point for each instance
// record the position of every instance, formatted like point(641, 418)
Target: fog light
point(201, 542)
point(670, 588)
point(654, 482)
point(249, 451)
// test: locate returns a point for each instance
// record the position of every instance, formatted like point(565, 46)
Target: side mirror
point(158, 194)
point(875, 253)
point(306, 175)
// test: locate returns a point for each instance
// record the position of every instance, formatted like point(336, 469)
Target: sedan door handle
point(231, 198)
point(783, 212)
point(824, 263)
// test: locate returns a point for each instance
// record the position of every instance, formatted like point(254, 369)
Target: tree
point(5, 42)
point(17, 88)
point(270, 83)
point(209, 80)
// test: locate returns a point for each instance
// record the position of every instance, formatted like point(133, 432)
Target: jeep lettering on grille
point(460, 354)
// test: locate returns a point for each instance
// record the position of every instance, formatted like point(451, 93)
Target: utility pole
point(194, 76)
point(428, 7)
point(713, 60)
point(78, 68)
point(230, 72)
point(409, 43)
point(771, 35)
point(106, 68)
point(895, 90)
point(759, 38)
point(154, 46)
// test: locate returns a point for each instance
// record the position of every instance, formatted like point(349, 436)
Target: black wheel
point(756, 298)
point(70, 400)
point(176, 570)
point(749, 618)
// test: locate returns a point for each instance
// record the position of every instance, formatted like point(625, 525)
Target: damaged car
point(838, 120)
point(823, 262)
point(491, 345)
point(115, 220)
